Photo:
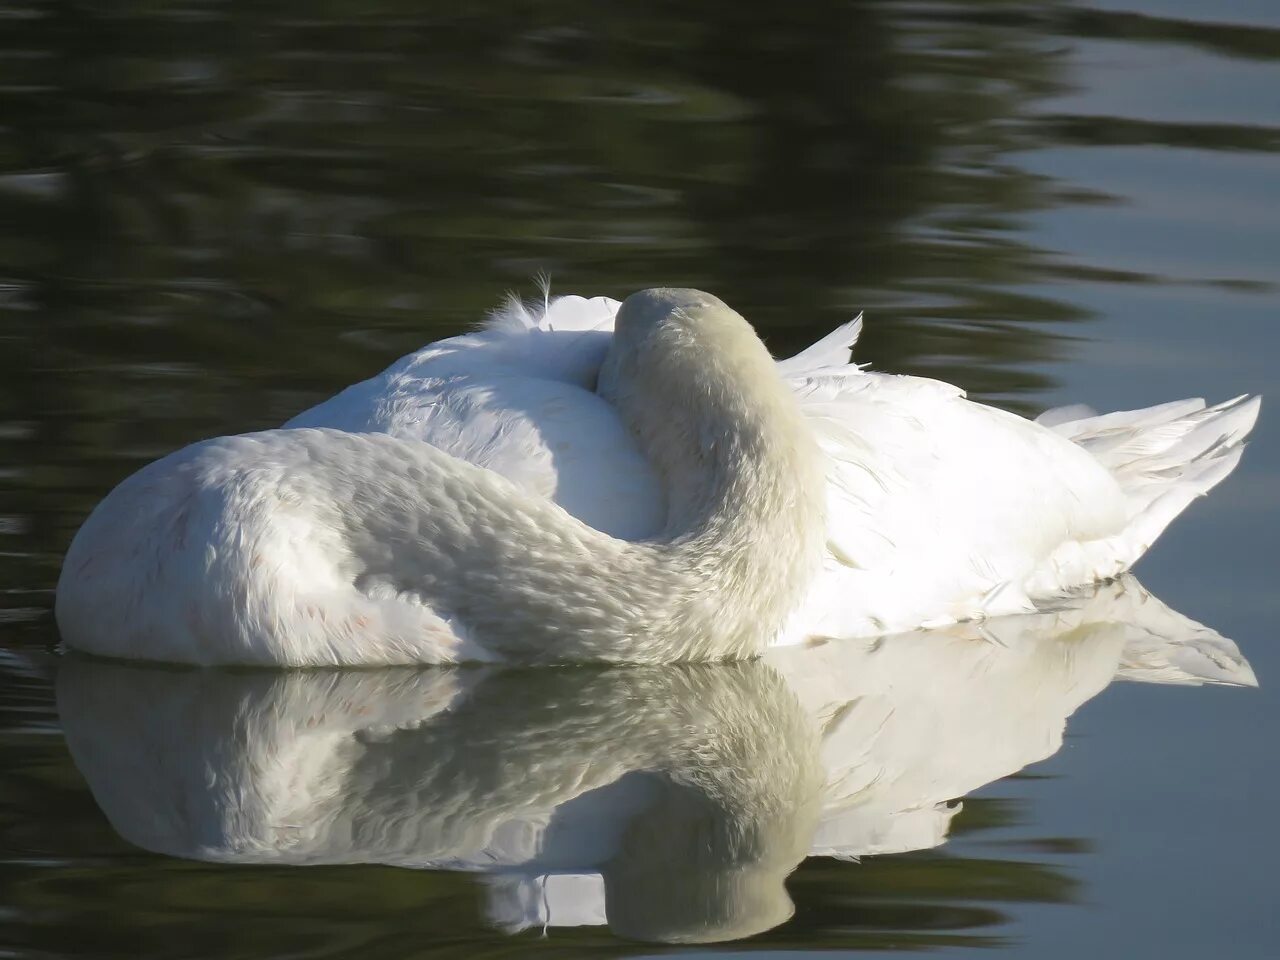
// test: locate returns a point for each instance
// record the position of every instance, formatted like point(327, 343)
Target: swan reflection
point(670, 803)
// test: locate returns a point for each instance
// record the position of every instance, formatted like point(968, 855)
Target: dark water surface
point(213, 218)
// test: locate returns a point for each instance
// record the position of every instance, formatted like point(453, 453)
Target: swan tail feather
point(1163, 457)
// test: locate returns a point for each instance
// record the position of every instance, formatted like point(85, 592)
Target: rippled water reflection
point(214, 218)
point(670, 803)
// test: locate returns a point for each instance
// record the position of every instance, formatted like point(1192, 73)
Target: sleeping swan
point(636, 483)
point(317, 546)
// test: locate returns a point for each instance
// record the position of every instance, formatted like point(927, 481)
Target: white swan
point(316, 546)
point(713, 502)
point(671, 803)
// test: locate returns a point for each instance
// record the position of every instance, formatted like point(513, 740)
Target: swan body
point(319, 546)
point(670, 803)
point(562, 485)
point(939, 509)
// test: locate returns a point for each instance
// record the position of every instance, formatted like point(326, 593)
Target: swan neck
point(745, 484)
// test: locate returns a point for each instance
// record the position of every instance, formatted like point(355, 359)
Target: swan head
point(743, 476)
point(696, 386)
point(676, 343)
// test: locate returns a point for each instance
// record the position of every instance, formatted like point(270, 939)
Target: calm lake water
point(214, 218)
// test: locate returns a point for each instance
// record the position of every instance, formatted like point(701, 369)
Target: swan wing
point(832, 353)
point(518, 397)
point(941, 509)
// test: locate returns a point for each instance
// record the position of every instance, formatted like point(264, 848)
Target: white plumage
point(710, 505)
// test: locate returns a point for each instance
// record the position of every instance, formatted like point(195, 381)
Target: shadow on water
point(216, 217)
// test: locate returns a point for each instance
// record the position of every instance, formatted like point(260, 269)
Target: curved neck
point(746, 494)
point(746, 488)
point(744, 478)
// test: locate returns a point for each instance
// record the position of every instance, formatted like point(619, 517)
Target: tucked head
point(657, 305)
point(681, 343)
point(680, 313)
point(708, 409)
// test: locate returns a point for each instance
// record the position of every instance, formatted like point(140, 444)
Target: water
point(216, 218)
